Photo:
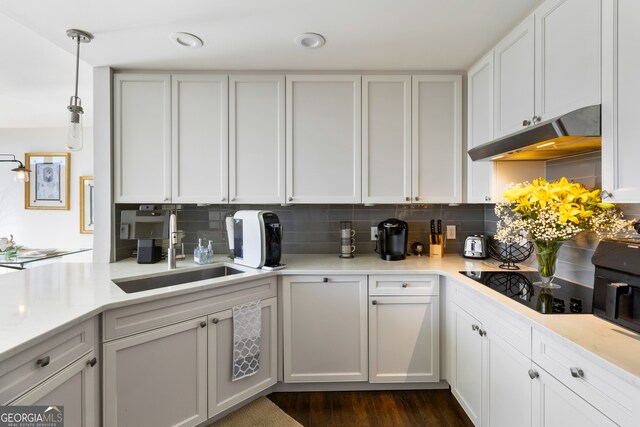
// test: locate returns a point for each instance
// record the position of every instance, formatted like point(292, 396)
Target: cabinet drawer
point(396, 284)
point(602, 389)
point(495, 319)
point(138, 318)
point(23, 371)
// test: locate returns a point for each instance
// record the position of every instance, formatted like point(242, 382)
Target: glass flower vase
point(547, 257)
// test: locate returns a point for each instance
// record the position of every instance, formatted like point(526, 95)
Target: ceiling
point(405, 35)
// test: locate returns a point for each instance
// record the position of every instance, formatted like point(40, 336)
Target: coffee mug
point(345, 232)
point(348, 249)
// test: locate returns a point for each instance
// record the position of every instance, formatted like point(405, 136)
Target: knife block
point(437, 250)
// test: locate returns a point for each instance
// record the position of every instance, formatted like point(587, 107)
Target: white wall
point(43, 228)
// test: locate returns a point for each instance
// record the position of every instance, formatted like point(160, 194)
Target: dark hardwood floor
point(373, 408)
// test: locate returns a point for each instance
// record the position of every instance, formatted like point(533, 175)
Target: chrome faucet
point(173, 239)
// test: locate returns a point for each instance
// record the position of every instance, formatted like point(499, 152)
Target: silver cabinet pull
point(291, 199)
point(475, 327)
point(526, 123)
point(165, 199)
point(576, 372)
point(536, 119)
point(222, 199)
point(533, 374)
point(482, 332)
point(604, 194)
point(325, 279)
point(203, 324)
point(215, 320)
point(92, 362)
point(404, 285)
point(233, 199)
point(487, 198)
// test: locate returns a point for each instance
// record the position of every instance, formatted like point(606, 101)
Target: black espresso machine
point(616, 286)
point(392, 239)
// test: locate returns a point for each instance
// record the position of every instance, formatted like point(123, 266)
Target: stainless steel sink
point(147, 283)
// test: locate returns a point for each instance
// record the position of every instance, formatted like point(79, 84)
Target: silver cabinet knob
point(291, 199)
point(533, 374)
point(404, 285)
point(374, 302)
point(576, 372)
point(482, 332)
point(43, 361)
point(233, 199)
point(92, 362)
point(526, 123)
point(222, 199)
point(408, 199)
point(203, 324)
point(325, 279)
point(475, 327)
point(604, 194)
point(487, 198)
point(215, 320)
point(536, 119)
point(165, 199)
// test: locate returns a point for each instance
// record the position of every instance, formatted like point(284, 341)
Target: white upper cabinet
point(200, 138)
point(620, 92)
point(256, 139)
point(480, 128)
point(568, 60)
point(142, 138)
point(514, 80)
point(437, 139)
point(386, 139)
point(323, 145)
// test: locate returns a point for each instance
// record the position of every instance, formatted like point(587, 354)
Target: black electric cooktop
point(570, 298)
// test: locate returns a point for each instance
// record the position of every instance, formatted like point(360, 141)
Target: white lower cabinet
point(75, 388)
point(489, 375)
point(157, 377)
point(325, 328)
point(554, 404)
point(403, 339)
point(223, 392)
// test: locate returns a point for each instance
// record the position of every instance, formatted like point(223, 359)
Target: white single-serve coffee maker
point(255, 239)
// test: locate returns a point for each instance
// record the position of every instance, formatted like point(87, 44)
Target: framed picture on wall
point(86, 205)
point(48, 187)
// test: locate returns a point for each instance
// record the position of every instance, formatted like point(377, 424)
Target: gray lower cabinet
point(157, 378)
point(74, 388)
point(223, 392)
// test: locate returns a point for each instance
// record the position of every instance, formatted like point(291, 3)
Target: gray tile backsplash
point(314, 229)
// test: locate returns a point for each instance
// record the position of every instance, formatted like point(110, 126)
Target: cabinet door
point(556, 405)
point(76, 388)
point(157, 377)
point(325, 328)
point(436, 144)
point(404, 339)
point(467, 371)
point(506, 384)
point(200, 138)
point(480, 128)
point(323, 139)
point(620, 94)
point(224, 393)
point(386, 139)
point(514, 79)
point(142, 138)
point(568, 44)
point(256, 139)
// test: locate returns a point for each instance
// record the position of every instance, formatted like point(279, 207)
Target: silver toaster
point(475, 247)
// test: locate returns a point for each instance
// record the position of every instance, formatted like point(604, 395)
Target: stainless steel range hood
point(577, 132)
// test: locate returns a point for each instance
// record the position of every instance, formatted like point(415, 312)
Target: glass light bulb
point(21, 176)
point(74, 133)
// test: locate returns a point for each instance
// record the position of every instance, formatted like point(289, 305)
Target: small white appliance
point(255, 239)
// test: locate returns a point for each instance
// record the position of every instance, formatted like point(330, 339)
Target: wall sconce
point(74, 129)
point(22, 173)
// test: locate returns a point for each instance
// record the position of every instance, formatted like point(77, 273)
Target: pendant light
point(22, 173)
point(74, 127)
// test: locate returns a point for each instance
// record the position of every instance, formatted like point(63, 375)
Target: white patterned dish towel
point(247, 327)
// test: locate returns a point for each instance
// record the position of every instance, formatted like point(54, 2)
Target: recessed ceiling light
point(310, 40)
point(186, 39)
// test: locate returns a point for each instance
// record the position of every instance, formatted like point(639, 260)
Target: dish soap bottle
point(210, 252)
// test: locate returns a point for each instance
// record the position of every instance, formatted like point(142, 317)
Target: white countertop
point(39, 302)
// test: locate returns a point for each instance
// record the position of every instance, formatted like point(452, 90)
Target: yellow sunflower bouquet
point(549, 213)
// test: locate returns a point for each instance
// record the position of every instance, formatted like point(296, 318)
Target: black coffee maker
point(392, 239)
